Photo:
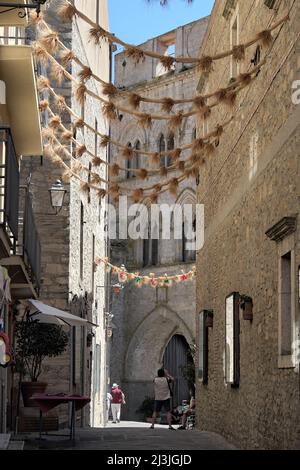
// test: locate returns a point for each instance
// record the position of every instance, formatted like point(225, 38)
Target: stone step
point(16, 445)
point(4, 441)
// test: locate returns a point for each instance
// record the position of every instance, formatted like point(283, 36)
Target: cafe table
point(47, 402)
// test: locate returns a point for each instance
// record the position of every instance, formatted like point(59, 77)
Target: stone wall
point(82, 369)
point(251, 183)
point(147, 319)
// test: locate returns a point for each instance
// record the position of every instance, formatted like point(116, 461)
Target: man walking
point(118, 398)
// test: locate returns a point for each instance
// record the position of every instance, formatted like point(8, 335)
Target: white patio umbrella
point(46, 314)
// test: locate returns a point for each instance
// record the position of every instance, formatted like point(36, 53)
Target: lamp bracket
point(21, 6)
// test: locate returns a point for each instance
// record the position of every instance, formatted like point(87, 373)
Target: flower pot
point(30, 388)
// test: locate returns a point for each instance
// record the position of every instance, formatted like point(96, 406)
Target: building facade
point(154, 327)
point(248, 269)
point(73, 238)
point(20, 249)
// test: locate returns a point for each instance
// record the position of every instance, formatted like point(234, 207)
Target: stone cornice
point(282, 229)
point(161, 81)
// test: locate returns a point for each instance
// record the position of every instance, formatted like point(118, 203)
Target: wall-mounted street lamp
point(9, 6)
point(57, 194)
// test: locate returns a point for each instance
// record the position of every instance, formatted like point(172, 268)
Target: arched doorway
point(177, 357)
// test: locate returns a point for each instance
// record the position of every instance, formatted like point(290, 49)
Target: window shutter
point(203, 348)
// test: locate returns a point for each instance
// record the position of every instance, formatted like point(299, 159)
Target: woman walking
point(162, 392)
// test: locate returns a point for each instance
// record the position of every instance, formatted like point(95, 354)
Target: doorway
point(178, 360)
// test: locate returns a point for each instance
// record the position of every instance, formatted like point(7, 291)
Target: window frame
point(285, 246)
point(233, 380)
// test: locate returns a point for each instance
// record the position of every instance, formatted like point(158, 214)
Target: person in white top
point(162, 392)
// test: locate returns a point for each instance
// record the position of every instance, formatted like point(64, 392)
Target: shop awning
point(17, 71)
point(46, 314)
point(13, 17)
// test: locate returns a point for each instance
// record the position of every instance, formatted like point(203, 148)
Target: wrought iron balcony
point(9, 191)
point(20, 247)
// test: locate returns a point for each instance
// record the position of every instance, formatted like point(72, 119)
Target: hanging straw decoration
point(40, 54)
point(127, 153)
point(66, 57)
point(206, 64)
point(134, 100)
point(43, 105)
point(97, 34)
point(142, 174)
point(167, 105)
point(60, 102)
point(80, 151)
point(104, 141)
point(85, 74)
point(265, 38)
point(80, 93)
point(109, 111)
point(114, 170)
point(95, 179)
point(79, 123)
point(55, 122)
point(58, 74)
point(167, 62)
point(173, 186)
point(84, 187)
point(136, 54)
point(238, 52)
point(108, 89)
point(50, 41)
point(66, 12)
point(155, 158)
point(145, 120)
point(137, 195)
point(175, 121)
point(97, 161)
point(199, 102)
point(66, 136)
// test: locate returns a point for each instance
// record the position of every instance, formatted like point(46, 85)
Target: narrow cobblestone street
point(132, 436)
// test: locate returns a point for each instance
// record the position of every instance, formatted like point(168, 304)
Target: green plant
point(147, 407)
point(188, 371)
point(35, 342)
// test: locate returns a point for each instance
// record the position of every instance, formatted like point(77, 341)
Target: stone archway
point(146, 351)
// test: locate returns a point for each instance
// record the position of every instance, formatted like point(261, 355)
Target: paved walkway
point(129, 435)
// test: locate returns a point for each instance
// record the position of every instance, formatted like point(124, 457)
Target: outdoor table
point(47, 402)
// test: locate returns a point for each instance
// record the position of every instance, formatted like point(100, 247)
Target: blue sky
point(135, 21)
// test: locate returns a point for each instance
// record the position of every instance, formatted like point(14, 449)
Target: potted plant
point(35, 342)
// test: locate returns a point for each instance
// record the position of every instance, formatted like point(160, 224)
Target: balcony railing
point(9, 187)
point(16, 214)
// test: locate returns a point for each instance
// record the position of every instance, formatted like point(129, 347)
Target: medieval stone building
point(71, 239)
point(154, 327)
point(248, 270)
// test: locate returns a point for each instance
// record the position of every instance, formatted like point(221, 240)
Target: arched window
point(162, 148)
point(150, 247)
point(194, 133)
point(129, 164)
point(170, 146)
point(187, 254)
point(136, 158)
